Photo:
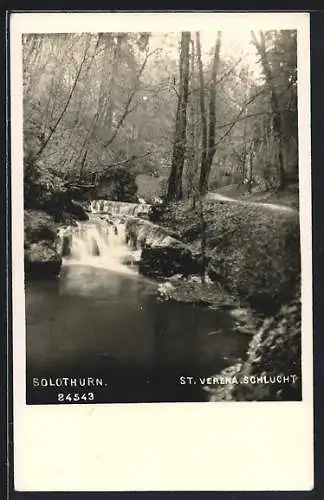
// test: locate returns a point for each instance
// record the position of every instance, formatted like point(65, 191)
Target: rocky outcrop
point(253, 252)
point(191, 290)
point(66, 243)
point(77, 210)
point(39, 226)
point(167, 259)
point(42, 252)
point(162, 255)
point(42, 260)
point(272, 369)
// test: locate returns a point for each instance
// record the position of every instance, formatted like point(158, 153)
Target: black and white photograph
point(162, 249)
point(163, 187)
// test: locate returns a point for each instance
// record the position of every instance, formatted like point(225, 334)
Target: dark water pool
point(98, 323)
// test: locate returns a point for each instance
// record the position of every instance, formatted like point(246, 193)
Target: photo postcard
point(161, 244)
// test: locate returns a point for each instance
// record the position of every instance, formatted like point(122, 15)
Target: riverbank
point(43, 247)
point(253, 253)
point(210, 295)
point(272, 369)
point(252, 269)
point(251, 272)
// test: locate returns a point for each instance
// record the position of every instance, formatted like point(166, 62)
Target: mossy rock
point(39, 226)
point(274, 353)
point(42, 260)
point(253, 251)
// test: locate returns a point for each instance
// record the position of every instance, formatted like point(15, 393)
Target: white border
point(186, 446)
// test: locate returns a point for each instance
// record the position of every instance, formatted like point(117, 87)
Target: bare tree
point(193, 133)
point(207, 159)
point(203, 113)
point(57, 122)
point(277, 119)
point(128, 109)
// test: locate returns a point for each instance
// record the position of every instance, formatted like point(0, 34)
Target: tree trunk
point(204, 128)
point(83, 164)
point(244, 169)
point(277, 118)
point(108, 114)
point(206, 165)
point(250, 181)
point(179, 147)
point(192, 163)
point(203, 242)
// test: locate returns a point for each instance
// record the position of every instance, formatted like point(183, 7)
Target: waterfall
point(100, 244)
point(119, 208)
point(101, 241)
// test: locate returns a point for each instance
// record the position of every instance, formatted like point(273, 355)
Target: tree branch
point(118, 163)
point(66, 104)
point(129, 100)
point(223, 77)
point(238, 117)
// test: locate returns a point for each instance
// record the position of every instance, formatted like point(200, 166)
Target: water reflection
point(99, 322)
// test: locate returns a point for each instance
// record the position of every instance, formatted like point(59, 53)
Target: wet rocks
point(167, 258)
point(191, 290)
point(165, 290)
point(42, 260)
point(272, 369)
point(132, 260)
point(38, 225)
point(95, 250)
point(42, 255)
point(120, 208)
point(66, 244)
point(162, 255)
point(77, 210)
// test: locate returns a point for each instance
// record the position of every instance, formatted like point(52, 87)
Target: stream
point(102, 319)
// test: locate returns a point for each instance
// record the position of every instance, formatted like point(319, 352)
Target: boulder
point(95, 250)
point(38, 225)
point(162, 254)
point(166, 259)
point(77, 209)
point(41, 245)
point(42, 260)
point(66, 244)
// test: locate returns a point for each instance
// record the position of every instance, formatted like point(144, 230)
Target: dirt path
point(270, 206)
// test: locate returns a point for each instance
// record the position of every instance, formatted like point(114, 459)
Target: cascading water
point(119, 208)
point(102, 318)
point(100, 244)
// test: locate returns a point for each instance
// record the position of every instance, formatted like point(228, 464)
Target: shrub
point(117, 184)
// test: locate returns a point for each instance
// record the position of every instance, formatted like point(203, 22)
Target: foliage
point(38, 226)
point(253, 251)
point(150, 187)
point(96, 99)
point(42, 187)
point(156, 212)
point(117, 184)
point(275, 351)
point(76, 118)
